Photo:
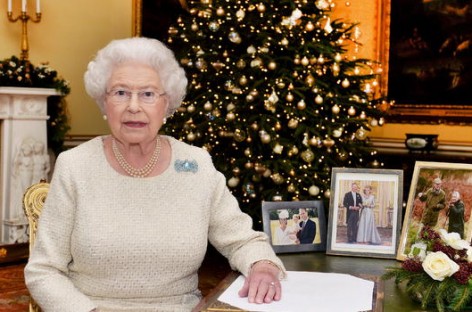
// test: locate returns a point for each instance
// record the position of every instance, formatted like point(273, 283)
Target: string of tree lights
point(274, 97)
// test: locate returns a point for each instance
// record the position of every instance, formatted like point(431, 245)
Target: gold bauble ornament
point(191, 136)
point(301, 105)
point(337, 132)
point(207, 106)
point(243, 80)
point(254, 93)
point(292, 173)
point(233, 182)
point(361, 134)
point(191, 108)
point(278, 126)
point(345, 83)
point(272, 65)
point(305, 61)
point(248, 165)
point(247, 152)
point(328, 142)
point(284, 42)
point(261, 7)
point(236, 171)
point(291, 188)
point(249, 98)
point(278, 149)
point(277, 178)
point(289, 97)
point(265, 137)
point(374, 122)
point(351, 111)
point(240, 64)
point(194, 27)
point(314, 190)
point(318, 99)
point(220, 11)
point(362, 115)
point(259, 168)
point(335, 109)
point(254, 126)
point(310, 80)
point(266, 173)
point(280, 84)
point(294, 150)
point(292, 123)
point(308, 156)
point(314, 141)
point(239, 135)
point(338, 57)
point(309, 26)
point(327, 194)
point(230, 116)
point(296, 60)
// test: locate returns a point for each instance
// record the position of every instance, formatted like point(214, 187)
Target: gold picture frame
point(404, 112)
point(453, 177)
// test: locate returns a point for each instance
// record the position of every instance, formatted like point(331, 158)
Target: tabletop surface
point(394, 298)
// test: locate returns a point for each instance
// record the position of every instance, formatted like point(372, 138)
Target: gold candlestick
point(24, 18)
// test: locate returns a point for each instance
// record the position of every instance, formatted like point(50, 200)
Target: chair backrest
point(33, 202)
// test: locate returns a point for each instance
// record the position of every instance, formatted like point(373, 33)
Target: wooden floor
point(14, 296)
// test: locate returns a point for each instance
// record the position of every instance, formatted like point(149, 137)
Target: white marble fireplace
point(24, 154)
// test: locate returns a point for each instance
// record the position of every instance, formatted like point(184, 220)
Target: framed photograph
point(440, 197)
point(426, 60)
point(365, 212)
point(295, 226)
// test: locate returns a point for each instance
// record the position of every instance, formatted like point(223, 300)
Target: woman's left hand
point(262, 285)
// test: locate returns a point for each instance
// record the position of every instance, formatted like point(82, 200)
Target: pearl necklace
point(132, 171)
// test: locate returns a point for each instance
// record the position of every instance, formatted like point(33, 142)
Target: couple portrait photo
point(364, 212)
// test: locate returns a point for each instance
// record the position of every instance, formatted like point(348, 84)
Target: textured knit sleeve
point(231, 230)
point(47, 268)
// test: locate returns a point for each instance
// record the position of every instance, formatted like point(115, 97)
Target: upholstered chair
point(33, 201)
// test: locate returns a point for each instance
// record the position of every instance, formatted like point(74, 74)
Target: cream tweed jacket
point(118, 243)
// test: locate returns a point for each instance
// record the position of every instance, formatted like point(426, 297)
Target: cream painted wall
point(71, 32)
point(67, 37)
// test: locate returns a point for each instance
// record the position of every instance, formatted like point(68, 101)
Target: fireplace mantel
point(24, 154)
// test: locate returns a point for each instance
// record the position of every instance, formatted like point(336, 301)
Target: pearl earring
point(105, 117)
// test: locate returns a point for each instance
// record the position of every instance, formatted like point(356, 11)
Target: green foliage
point(15, 72)
point(446, 295)
point(273, 96)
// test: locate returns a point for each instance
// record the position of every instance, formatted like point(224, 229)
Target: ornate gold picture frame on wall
point(427, 61)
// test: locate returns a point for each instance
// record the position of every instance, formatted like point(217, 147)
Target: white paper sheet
point(310, 291)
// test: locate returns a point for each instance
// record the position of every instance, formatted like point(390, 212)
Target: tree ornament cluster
point(273, 96)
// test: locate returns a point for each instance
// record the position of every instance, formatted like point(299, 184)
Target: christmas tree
point(273, 96)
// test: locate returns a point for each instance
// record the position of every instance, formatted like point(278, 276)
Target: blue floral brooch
point(186, 165)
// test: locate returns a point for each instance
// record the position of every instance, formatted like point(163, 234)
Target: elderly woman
point(101, 243)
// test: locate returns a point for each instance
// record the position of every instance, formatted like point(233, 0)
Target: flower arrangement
point(15, 72)
point(437, 271)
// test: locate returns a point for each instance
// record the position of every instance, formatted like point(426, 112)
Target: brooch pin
point(186, 166)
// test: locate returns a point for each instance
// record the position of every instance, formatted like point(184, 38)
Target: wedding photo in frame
point(295, 226)
point(365, 212)
point(440, 197)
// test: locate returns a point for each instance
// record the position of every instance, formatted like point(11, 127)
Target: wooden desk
point(394, 300)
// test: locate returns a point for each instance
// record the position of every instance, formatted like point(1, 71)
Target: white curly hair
point(148, 51)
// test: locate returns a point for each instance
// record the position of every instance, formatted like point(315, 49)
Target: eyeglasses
point(123, 96)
